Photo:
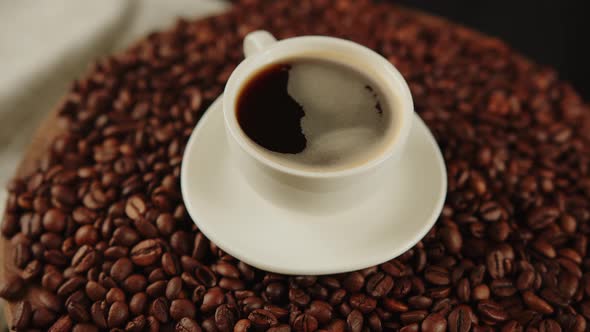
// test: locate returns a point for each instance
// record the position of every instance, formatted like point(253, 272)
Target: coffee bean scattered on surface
point(101, 229)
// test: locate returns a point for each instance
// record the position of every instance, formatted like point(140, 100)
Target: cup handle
point(256, 41)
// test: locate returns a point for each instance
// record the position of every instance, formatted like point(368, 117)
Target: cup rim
point(387, 71)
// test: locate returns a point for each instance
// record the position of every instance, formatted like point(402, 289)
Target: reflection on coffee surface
point(314, 114)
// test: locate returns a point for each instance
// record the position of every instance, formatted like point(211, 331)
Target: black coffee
point(313, 114)
point(268, 114)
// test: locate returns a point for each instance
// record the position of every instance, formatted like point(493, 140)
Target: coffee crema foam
point(344, 124)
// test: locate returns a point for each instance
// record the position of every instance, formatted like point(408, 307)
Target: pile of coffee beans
point(102, 240)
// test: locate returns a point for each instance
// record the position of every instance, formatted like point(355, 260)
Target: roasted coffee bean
point(124, 235)
point(173, 288)
point(363, 302)
point(503, 288)
point(48, 300)
point(419, 302)
point(201, 248)
point(512, 326)
point(278, 328)
point(138, 303)
point(170, 264)
point(344, 309)
point(189, 280)
point(542, 217)
point(227, 270)
point(549, 325)
point(99, 311)
point(146, 252)
point(118, 314)
point(198, 294)
point(54, 220)
point(225, 318)
point(354, 282)
point(208, 325)
point(21, 255)
point(182, 308)
point(439, 292)
point(205, 276)
point(86, 234)
point(394, 268)
point(567, 285)
point(459, 319)
point(275, 291)
point(480, 292)
point(305, 281)
point(375, 323)
point(495, 263)
point(463, 290)
point(213, 298)
point(159, 309)
point(85, 258)
point(156, 274)
point(152, 324)
point(116, 252)
point(115, 295)
point(135, 283)
point(525, 280)
point(145, 228)
point(78, 312)
point(337, 297)
point(337, 325)
point(536, 303)
point(262, 319)
point(418, 286)
point(11, 286)
point(42, 318)
point(277, 311)
point(77, 297)
point(492, 311)
point(414, 316)
point(121, 269)
point(401, 288)
point(180, 241)
point(355, 321)
point(106, 281)
point(553, 297)
point(434, 323)
point(379, 284)
point(392, 305)
point(135, 207)
point(414, 327)
point(477, 274)
point(9, 225)
point(322, 311)
point(305, 323)
point(55, 257)
point(236, 284)
point(136, 324)
point(85, 327)
point(299, 297)
point(51, 240)
point(22, 315)
point(188, 325)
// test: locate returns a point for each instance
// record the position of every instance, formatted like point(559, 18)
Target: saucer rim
point(217, 105)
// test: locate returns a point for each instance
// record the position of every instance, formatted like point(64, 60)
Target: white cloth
point(46, 44)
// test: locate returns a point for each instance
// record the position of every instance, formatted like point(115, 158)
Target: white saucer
point(249, 227)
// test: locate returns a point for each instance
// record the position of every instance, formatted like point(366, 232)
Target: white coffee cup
point(305, 190)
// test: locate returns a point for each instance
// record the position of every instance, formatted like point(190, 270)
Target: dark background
point(551, 32)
